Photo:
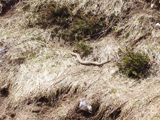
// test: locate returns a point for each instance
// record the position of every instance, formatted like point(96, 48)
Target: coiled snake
point(88, 62)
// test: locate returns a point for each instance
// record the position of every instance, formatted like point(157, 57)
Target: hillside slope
point(41, 80)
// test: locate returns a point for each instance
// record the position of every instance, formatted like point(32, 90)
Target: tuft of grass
point(51, 13)
point(26, 7)
point(134, 64)
point(66, 25)
point(81, 48)
point(128, 34)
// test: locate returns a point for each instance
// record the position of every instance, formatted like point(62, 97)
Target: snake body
point(88, 62)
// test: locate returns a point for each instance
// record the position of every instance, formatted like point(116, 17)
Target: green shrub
point(52, 13)
point(81, 48)
point(78, 26)
point(134, 64)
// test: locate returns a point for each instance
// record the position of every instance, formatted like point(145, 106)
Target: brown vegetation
point(40, 80)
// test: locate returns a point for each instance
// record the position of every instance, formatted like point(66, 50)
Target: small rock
point(113, 71)
point(152, 5)
point(157, 25)
point(84, 106)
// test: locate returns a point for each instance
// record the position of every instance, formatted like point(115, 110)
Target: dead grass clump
point(112, 112)
point(139, 27)
point(134, 65)
point(50, 99)
point(21, 58)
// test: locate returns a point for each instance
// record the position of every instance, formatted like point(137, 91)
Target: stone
point(84, 106)
point(152, 5)
point(157, 25)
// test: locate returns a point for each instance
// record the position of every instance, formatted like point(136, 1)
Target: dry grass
point(46, 82)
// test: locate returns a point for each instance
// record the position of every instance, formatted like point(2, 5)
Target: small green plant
point(26, 7)
point(81, 48)
point(128, 34)
point(147, 43)
point(134, 64)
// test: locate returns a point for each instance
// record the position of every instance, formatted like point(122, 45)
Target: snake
point(88, 62)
